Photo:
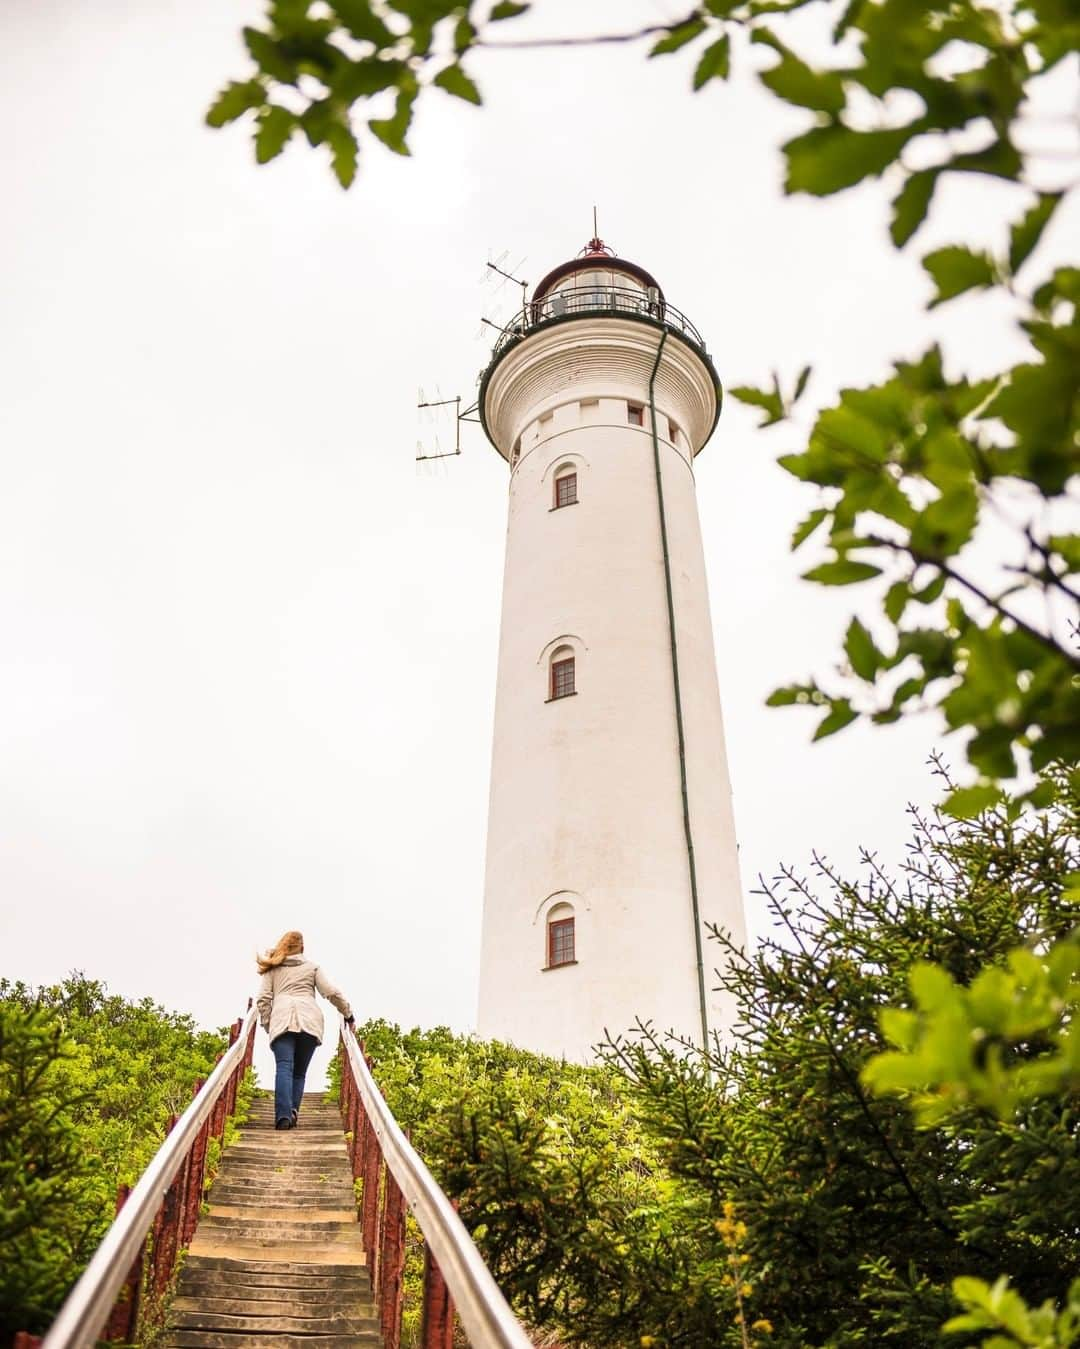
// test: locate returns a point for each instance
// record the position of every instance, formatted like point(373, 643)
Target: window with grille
point(561, 942)
point(566, 490)
point(635, 414)
point(562, 677)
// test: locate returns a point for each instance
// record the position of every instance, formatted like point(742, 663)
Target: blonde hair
point(290, 945)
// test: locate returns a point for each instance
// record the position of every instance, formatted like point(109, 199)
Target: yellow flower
point(746, 1289)
point(647, 1341)
point(764, 1326)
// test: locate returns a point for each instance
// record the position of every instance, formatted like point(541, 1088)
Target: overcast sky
point(247, 646)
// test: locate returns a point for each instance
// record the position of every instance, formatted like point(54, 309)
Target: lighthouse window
point(561, 942)
point(635, 414)
point(566, 490)
point(562, 677)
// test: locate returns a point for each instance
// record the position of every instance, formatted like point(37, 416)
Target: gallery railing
point(597, 300)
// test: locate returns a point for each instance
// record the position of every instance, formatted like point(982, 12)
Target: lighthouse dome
point(595, 267)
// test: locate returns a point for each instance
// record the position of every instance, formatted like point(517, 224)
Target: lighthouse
point(611, 840)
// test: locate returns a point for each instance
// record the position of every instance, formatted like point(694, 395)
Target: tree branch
point(923, 559)
point(600, 39)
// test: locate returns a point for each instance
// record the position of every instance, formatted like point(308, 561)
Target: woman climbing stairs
point(279, 1258)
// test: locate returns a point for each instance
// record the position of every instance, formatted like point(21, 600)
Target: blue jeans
point(292, 1050)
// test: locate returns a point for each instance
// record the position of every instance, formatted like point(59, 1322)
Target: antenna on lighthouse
point(494, 269)
point(434, 411)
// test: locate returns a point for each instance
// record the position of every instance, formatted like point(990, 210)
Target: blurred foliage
point(1001, 1046)
point(88, 1081)
point(1000, 1308)
point(905, 471)
point(766, 1193)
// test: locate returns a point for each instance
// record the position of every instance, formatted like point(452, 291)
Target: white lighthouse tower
point(611, 841)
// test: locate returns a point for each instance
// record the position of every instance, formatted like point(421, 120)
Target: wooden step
point(279, 1259)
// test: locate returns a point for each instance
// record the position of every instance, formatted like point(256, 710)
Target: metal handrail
point(86, 1309)
point(489, 1323)
point(582, 301)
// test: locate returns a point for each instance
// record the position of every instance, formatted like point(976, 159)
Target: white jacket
point(286, 998)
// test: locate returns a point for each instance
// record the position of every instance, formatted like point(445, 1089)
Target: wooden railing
point(394, 1177)
point(164, 1206)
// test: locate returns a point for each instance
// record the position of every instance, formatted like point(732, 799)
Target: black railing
point(606, 301)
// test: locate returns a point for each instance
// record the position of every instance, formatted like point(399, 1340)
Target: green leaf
point(803, 532)
point(946, 524)
point(801, 383)
point(862, 654)
point(769, 400)
point(371, 75)
point(911, 205)
point(363, 23)
point(896, 598)
point(966, 802)
point(454, 81)
point(1000, 160)
point(1025, 234)
point(1067, 547)
point(842, 572)
point(269, 56)
point(343, 152)
point(506, 9)
point(831, 158)
point(955, 270)
point(275, 126)
point(464, 35)
point(841, 714)
point(796, 82)
point(392, 131)
point(715, 63)
point(931, 591)
point(679, 36)
point(234, 100)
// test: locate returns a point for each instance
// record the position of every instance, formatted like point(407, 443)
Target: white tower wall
point(586, 804)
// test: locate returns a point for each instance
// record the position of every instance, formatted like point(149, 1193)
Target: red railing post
point(196, 1174)
point(249, 1054)
point(392, 1263)
point(166, 1237)
point(121, 1322)
point(437, 1321)
point(371, 1160)
point(356, 1124)
point(217, 1115)
point(234, 1076)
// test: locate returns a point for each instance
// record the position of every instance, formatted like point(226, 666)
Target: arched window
point(561, 949)
point(565, 488)
point(563, 673)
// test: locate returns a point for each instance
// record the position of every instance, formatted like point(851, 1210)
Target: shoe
point(295, 1120)
point(283, 1124)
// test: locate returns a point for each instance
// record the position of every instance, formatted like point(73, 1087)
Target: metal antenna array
point(434, 410)
point(429, 412)
point(494, 269)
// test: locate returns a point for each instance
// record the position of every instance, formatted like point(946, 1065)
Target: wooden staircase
point(278, 1260)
